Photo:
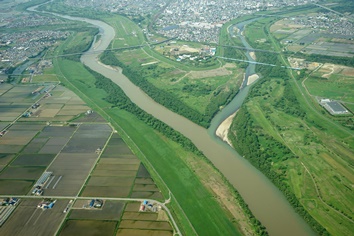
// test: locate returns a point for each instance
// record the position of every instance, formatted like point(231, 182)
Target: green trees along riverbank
point(282, 131)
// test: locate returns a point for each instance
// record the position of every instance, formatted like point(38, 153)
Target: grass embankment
point(162, 153)
point(197, 98)
point(169, 159)
point(309, 156)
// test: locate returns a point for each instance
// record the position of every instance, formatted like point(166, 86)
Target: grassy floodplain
point(196, 98)
point(165, 157)
point(198, 95)
point(168, 158)
point(283, 131)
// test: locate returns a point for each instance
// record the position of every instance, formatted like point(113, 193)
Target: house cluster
point(18, 47)
point(201, 20)
point(126, 7)
point(185, 19)
point(26, 20)
point(328, 22)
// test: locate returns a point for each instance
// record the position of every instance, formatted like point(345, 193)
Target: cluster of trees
point(61, 7)
point(346, 61)
point(166, 99)
point(82, 46)
point(289, 102)
point(270, 71)
point(252, 142)
point(258, 227)
point(231, 52)
point(220, 98)
point(117, 98)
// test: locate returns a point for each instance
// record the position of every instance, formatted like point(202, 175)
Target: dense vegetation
point(283, 133)
point(75, 50)
point(25, 5)
point(160, 96)
point(263, 150)
point(346, 61)
point(60, 7)
point(117, 97)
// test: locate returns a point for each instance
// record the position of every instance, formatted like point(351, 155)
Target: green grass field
point(336, 87)
point(127, 32)
point(322, 174)
point(168, 75)
point(163, 154)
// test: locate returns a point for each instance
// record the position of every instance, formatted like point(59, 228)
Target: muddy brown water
point(265, 201)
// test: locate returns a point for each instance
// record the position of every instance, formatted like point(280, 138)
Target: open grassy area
point(310, 152)
point(47, 76)
point(169, 76)
point(163, 154)
point(333, 82)
point(165, 159)
point(127, 32)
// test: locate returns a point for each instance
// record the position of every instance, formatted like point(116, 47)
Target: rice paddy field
point(85, 157)
point(297, 36)
point(117, 218)
point(27, 219)
point(119, 173)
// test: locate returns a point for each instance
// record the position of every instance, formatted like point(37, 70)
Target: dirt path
point(177, 81)
point(319, 195)
point(328, 74)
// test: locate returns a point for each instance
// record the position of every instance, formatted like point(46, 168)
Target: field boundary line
point(320, 197)
point(123, 131)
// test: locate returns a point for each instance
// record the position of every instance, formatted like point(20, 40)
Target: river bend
point(265, 201)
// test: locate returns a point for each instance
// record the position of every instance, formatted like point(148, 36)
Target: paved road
point(178, 232)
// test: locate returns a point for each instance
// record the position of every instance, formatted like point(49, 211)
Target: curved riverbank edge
point(223, 130)
point(266, 202)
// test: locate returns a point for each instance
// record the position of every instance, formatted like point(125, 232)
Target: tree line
point(261, 149)
point(164, 98)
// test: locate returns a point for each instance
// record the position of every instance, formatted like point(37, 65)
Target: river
point(265, 201)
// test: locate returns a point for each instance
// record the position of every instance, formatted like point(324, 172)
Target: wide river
point(265, 201)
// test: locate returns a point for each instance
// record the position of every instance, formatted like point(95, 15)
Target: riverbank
point(252, 78)
point(223, 129)
point(259, 193)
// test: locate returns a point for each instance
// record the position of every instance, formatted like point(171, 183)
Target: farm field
point(111, 210)
point(95, 97)
point(118, 173)
point(117, 218)
point(76, 158)
point(15, 187)
point(70, 151)
point(62, 106)
point(88, 228)
point(135, 222)
point(27, 219)
point(334, 82)
point(299, 37)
